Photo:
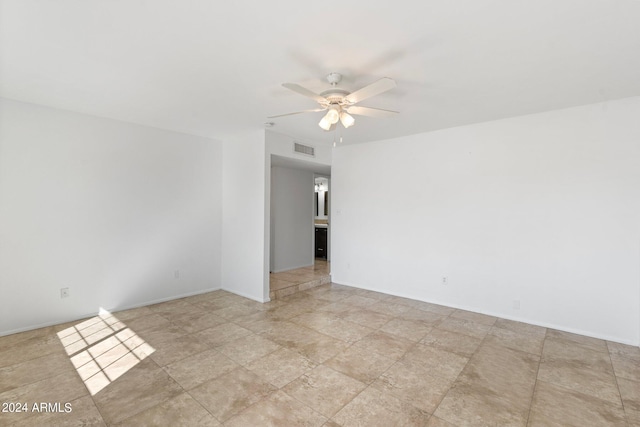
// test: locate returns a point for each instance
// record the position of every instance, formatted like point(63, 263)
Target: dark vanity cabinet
point(321, 242)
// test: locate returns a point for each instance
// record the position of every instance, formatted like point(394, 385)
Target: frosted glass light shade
point(324, 123)
point(346, 119)
point(332, 116)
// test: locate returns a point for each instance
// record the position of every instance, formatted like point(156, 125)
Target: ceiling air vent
point(304, 149)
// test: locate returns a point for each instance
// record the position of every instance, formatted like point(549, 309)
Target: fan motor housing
point(335, 96)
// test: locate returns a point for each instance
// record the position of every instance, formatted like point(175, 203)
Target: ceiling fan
point(341, 104)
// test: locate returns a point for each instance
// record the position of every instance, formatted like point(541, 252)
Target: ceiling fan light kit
point(332, 115)
point(341, 103)
point(324, 123)
point(346, 119)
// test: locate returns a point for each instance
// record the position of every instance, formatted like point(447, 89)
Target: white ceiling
point(213, 68)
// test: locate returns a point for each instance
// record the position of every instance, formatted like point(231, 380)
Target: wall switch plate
point(64, 292)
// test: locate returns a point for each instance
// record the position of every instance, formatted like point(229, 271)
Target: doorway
point(297, 210)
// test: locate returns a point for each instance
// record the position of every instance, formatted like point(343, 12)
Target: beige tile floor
point(286, 283)
point(329, 356)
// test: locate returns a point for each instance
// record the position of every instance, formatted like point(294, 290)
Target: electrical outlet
point(445, 280)
point(64, 292)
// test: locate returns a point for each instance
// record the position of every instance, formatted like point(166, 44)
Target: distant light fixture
point(346, 119)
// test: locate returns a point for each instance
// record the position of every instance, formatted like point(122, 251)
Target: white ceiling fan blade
point(382, 85)
point(297, 112)
point(305, 92)
point(371, 112)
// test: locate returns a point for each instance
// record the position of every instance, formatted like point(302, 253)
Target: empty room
point(329, 214)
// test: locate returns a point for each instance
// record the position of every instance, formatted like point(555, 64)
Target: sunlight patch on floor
point(103, 349)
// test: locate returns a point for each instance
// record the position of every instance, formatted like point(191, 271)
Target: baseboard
point(112, 309)
point(251, 297)
point(292, 268)
point(502, 316)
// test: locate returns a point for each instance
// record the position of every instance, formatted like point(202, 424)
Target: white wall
point(292, 213)
point(282, 145)
point(544, 209)
point(244, 271)
point(108, 209)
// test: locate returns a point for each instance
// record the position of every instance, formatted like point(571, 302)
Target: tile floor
point(286, 283)
point(329, 356)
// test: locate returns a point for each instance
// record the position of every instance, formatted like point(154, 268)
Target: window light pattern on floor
point(103, 349)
